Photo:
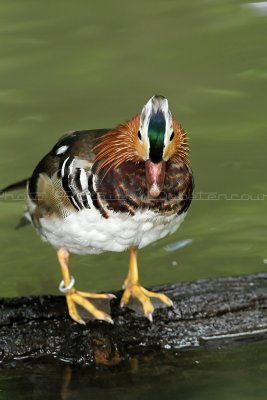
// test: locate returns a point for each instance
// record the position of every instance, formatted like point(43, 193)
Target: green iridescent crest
point(156, 132)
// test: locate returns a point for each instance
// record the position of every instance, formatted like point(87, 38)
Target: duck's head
point(153, 137)
point(155, 130)
point(156, 138)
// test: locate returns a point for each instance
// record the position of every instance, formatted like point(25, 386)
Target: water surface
point(238, 373)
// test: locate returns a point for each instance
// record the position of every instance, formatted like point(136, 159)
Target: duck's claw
point(85, 301)
point(135, 296)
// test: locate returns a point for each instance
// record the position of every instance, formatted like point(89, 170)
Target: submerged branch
point(205, 313)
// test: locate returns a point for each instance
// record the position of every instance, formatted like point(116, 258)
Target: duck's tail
point(16, 186)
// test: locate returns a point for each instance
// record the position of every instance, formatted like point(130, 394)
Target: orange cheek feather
point(177, 149)
point(140, 149)
point(170, 150)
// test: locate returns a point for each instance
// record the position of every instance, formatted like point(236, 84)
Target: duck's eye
point(172, 136)
point(139, 135)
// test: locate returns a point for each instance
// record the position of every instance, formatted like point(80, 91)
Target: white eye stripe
point(62, 150)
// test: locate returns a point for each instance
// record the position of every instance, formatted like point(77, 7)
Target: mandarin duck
point(112, 190)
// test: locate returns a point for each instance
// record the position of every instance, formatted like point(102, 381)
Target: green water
point(68, 65)
point(238, 373)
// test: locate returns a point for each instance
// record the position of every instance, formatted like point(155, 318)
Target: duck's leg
point(134, 292)
point(82, 299)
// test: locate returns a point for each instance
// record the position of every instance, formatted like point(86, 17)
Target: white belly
point(87, 232)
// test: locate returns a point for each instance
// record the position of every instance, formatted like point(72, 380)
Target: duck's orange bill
point(155, 175)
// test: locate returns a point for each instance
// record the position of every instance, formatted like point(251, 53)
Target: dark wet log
point(205, 312)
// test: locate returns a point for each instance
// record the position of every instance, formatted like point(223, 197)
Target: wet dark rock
point(219, 311)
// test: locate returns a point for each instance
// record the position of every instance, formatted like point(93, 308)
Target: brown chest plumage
point(124, 189)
